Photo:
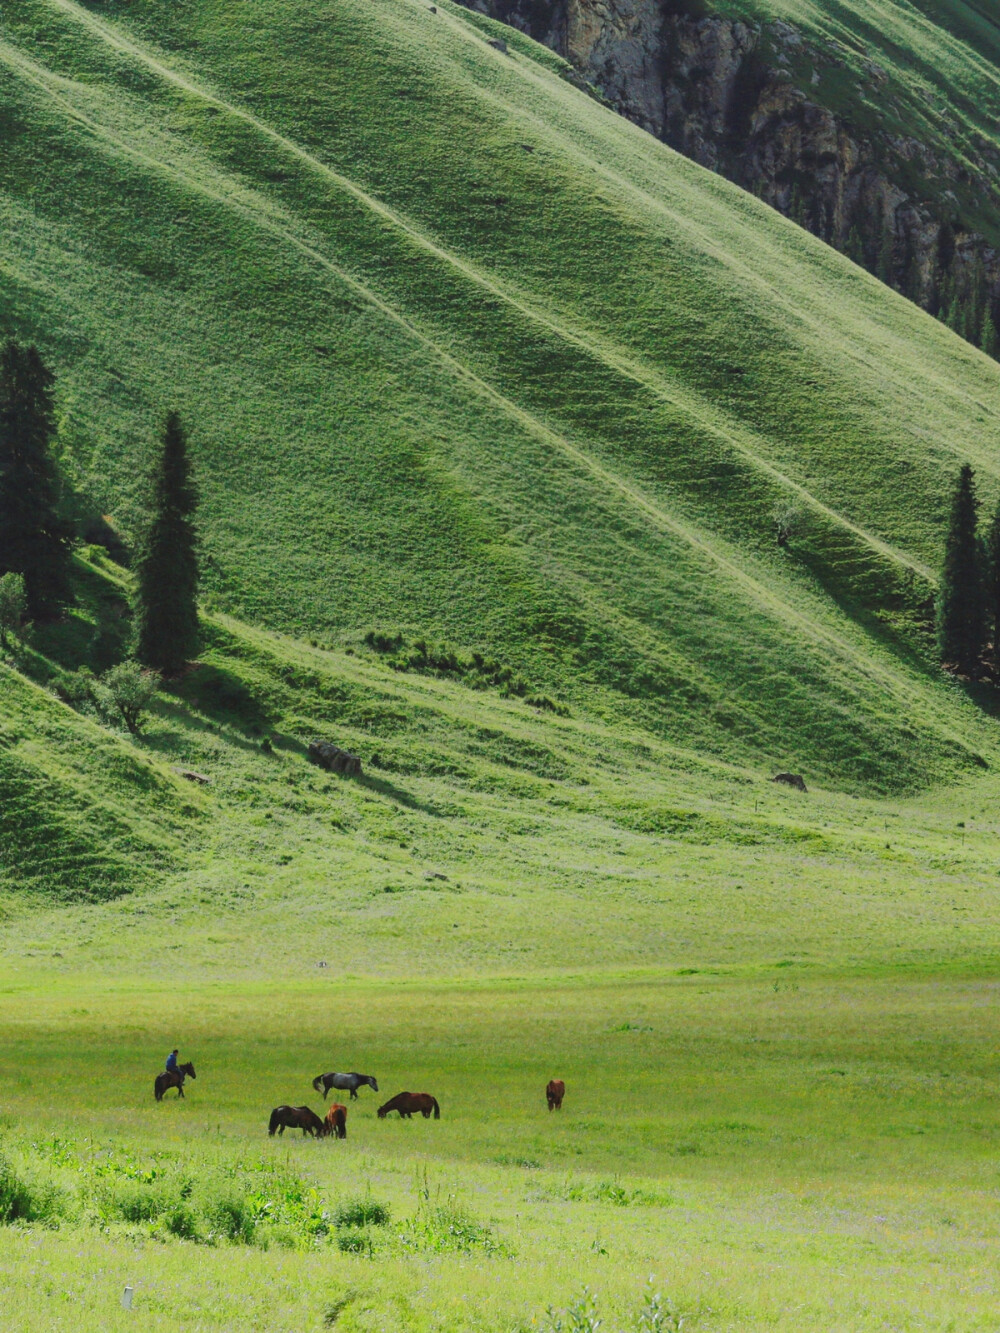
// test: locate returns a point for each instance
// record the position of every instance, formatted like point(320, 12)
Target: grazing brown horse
point(408, 1102)
point(297, 1117)
point(172, 1078)
point(554, 1093)
point(336, 1120)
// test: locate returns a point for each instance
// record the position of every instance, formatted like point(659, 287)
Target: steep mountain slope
point(871, 122)
point(468, 354)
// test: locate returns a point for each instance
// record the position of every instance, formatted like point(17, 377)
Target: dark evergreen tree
point(992, 580)
point(886, 268)
point(166, 611)
point(855, 247)
point(961, 610)
point(988, 340)
point(34, 540)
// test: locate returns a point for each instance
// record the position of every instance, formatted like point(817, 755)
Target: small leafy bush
point(13, 606)
point(477, 671)
point(352, 1240)
point(233, 1217)
point(361, 1213)
point(580, 1316)
point(76, 688)
point(130, 1201)
point(450, 1227)
point(26, 1200)
point(384, 643)
point(547, 704)
point(242, 1202)
point(657, 1314)
point(127, 689)
point(182, 1222)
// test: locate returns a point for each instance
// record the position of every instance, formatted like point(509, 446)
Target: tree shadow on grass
point(383, 787)
point(220, 695)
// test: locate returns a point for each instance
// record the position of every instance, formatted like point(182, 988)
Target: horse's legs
point(354, 1094)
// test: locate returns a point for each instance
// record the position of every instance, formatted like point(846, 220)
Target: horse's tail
point(437, 1109)
point(318, 1083)
point(157, 1089)
point(274, 1121)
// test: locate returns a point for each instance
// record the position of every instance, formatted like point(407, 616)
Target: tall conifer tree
point(167, 566)
point(961, 611)
point(992, 580)
point(34, 540)
point(988, 340)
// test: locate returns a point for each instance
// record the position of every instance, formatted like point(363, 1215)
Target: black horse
point(297, 1117)
point(173, 1078)
point(344, 1083)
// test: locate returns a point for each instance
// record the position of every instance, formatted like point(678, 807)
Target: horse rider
point(172, 1062)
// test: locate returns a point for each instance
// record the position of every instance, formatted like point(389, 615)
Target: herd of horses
point(334, 1125)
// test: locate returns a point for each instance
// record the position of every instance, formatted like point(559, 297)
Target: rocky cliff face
point(746, 100)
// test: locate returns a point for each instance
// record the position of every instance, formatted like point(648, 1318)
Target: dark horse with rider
point(173, 1076)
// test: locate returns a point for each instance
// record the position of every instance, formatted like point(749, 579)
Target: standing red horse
point(554, 1093)
point(336, 1121)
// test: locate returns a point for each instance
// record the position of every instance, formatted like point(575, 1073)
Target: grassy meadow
point(779, 1151)
point(493, 402)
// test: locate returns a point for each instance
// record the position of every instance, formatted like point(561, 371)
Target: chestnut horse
point(296, 1117)
point(172, 1078)
point(554, 1093)
point(336, 1121)
point(408, 1102)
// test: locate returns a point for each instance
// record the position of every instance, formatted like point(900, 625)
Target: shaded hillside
point(467, 355)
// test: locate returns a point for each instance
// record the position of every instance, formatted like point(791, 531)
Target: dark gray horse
point(343, 1083)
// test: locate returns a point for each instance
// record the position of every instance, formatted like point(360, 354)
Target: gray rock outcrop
point(333, 758)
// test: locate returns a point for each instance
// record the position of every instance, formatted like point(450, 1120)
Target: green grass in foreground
point(786, 1152)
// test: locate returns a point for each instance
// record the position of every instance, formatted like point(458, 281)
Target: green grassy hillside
point(465, 355)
